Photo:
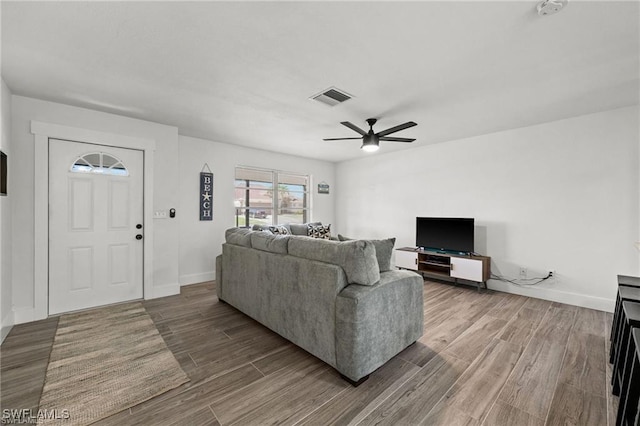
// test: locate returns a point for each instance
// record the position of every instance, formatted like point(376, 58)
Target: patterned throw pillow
point(278, 230)
point(319, 231)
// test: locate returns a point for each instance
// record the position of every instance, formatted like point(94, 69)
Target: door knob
point(139, 237)
point(139, 226)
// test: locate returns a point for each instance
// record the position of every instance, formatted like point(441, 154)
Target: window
point(99, 162)
point(269, 197)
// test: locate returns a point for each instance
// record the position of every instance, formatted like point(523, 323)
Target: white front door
point(95, 225)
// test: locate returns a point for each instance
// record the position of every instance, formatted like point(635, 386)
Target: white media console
point(445, 265)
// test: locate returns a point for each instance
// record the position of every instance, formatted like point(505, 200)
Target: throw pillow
point(301, 228)
point(279, 230)
point(319, 231)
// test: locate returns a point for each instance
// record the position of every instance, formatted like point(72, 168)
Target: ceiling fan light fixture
point(369, 144)
point(370, 139)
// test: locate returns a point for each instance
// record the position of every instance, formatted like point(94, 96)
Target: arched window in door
point(99, 162)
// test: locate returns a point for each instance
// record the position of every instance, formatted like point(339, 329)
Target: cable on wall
point(522, 282)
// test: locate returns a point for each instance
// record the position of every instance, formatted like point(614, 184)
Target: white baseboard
point(197, 278)
point(592, 302)
point(24, 315)
point(7, 324)
point(163, 291)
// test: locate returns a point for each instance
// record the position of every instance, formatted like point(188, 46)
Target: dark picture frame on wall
point(323, 188)
point(3, 173)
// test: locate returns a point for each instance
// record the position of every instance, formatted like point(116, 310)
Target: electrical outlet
point(552, 272)
point(160, 214)
point(523, 272)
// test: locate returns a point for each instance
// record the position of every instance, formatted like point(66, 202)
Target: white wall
point(563, 195)
point(201, 242)
point(165, 194)
point(6, 310)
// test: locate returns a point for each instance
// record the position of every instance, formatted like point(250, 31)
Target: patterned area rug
point(104, 361)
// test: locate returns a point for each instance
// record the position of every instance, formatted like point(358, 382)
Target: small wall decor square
point(323, 188)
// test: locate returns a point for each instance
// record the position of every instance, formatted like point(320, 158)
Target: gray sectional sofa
point(328, 297)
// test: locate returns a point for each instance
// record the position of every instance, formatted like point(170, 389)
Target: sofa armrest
point(375, 323)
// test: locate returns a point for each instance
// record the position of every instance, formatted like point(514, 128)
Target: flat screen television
point(447, 234)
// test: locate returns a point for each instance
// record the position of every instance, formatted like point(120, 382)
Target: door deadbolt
point(139, 226)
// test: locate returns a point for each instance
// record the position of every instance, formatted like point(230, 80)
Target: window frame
point(275, 208)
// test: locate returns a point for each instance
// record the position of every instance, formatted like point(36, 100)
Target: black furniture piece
point(625, 293)
point(628, 413)
point(629, 318)
point(629, 281)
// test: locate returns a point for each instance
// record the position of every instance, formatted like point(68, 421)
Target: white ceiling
point(242, 72)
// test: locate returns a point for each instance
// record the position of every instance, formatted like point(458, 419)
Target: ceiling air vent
point(331, 96)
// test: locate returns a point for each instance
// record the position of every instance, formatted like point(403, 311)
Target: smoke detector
point(550, 7)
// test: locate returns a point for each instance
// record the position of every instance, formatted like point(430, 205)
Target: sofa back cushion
point(384, 250)
point(238, 236)
point(267, 241)
point(357, 258)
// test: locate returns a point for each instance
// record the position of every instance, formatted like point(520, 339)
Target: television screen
point(445, 233)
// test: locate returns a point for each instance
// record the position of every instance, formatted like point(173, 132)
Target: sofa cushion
point(384, 250)
point(301, 228)
point(266, 241)
point(238, 236)
point(357, 258)
point(319, 231)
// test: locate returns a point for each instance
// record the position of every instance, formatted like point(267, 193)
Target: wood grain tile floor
point(485, 359)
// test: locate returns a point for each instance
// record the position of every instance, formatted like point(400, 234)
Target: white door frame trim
point(42, 132)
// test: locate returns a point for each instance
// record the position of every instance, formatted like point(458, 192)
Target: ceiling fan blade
point(340, 139)
point(397, 128)
point(392, 139)
point(353, 127)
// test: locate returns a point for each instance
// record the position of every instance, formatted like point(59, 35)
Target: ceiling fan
point(371, 140)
